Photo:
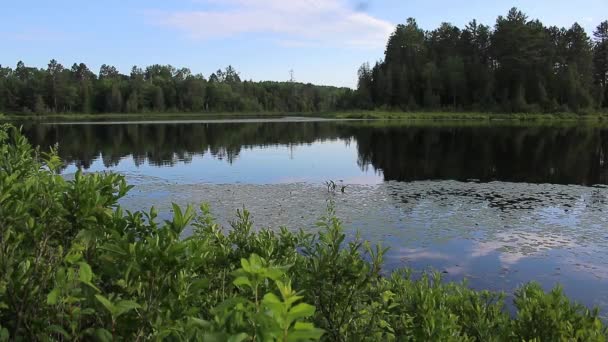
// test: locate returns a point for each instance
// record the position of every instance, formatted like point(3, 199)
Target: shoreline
point(341, 115)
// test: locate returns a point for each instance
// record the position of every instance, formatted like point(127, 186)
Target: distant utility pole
point(292, 80)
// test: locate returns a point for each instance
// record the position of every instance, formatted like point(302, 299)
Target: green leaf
point(304, 331)
point(256, 261)
point(92, 286)
point(238, 337)
point(85, 273)
point(275, 273)
point(240, 281)
point(113, 248)
point(245, 265)
point(299, 311)
point(103, 335)
point(72, 257)
point(106, 303)
point(197, 322)
point(387, 295)
point(52, 297)
point(125, 306)
point(271, 298)
point(58, 330)
point(88, 311)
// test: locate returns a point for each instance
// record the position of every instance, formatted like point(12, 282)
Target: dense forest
point(519, 65)
point(157, 88)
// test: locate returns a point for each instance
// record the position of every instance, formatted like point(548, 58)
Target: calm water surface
point(499, 205)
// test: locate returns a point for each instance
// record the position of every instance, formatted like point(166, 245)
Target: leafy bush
point(75, 266)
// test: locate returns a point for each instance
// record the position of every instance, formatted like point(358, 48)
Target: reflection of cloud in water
point(416, 254)
point(515, 246)
point(507, 258)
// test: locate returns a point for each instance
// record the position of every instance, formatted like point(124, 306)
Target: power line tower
point(292, 85)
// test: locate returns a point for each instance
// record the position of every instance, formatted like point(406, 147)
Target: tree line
point(520, 65)
point(157, 88)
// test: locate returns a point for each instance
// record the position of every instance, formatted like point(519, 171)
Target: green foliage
point(158, 88)
point(75, 266)
point(551, 316)
point(519, 66)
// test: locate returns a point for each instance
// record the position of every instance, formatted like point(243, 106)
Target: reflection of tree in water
point(167, 144)
point(565, 155)
point(572, 155)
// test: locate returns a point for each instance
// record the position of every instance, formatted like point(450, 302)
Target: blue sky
point(323, 41)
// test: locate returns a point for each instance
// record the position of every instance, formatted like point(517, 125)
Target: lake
point(498, 204)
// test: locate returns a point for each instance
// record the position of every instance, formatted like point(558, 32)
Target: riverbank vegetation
point(517, 66)
point(596, 118)
point(75, 266)
point(593, 118)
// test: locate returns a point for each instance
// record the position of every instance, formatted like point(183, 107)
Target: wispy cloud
point(293, 22)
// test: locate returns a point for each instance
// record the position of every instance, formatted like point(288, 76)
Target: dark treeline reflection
point(168, 144)
point(563, 155)
point(573, 155)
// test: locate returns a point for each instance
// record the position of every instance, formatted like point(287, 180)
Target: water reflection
point(558, 155)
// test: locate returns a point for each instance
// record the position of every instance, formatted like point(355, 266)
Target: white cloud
point(588, 19)
point(297, 22)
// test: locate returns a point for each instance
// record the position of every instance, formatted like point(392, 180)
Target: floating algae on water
point(527, 218)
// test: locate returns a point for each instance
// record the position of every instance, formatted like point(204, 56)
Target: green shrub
point(75, 266)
